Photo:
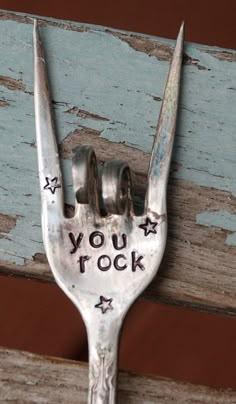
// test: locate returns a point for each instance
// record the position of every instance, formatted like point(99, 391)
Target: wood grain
point(28, 378)
point(107, 88)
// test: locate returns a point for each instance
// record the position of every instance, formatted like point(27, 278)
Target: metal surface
point(103, 261)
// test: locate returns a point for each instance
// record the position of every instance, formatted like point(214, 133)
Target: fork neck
point(103, 340)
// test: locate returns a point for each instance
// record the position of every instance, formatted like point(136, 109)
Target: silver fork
point(103, 262)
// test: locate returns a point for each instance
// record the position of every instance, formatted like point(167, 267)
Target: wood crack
point(81, 113)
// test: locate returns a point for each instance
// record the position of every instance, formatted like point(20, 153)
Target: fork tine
point(164, 137)
point(48, 161)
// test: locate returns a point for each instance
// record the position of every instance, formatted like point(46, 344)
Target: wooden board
point(107, 88)
point(28, 378)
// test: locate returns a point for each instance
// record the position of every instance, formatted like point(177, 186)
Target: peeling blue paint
point(221, 219)
point(102, 74)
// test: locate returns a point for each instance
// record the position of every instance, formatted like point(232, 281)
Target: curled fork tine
point(116, 184)
point(85, 178)
point(48, 161)
point(164, 137)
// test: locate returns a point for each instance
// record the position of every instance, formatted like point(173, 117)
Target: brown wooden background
point(158, 339)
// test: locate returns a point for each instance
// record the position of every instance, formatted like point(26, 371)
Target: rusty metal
point(103, 262)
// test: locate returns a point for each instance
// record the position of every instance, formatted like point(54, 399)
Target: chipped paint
point(27, 19)
point(222, 55)
point(11, 83)
point(7, 223)
point(41, 258)
point(221, 219)
point(4, 103)
point(162, 51)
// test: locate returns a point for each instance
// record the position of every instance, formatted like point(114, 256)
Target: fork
point(103, 261)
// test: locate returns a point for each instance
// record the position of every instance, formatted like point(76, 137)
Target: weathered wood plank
point(28, 378)
point(106, 89)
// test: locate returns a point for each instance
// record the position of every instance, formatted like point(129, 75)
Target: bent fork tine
point(164, 138)
point(48, 161)
point(116, 188)
point(85, 179)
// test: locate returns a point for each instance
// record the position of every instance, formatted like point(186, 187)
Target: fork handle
point(103, 340)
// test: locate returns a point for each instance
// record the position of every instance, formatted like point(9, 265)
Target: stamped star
point(148, 227)
point(52, 184)
point(104, 304)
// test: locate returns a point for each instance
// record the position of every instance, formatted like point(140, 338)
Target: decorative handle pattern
point(103, 348)
point(102, 377)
